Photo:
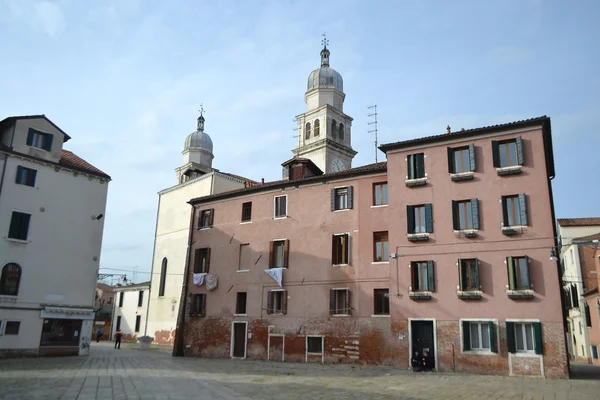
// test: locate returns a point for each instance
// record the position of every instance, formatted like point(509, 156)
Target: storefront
point(66, 331)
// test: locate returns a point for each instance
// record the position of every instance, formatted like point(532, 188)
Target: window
point(280, 206)
point(26, 176)
point(121, 298)
point(138, 321)
point(247, 212)
point(518, 273)
point(514, 209)
point(163, 277)
point(461, 159)
point(380, 246)
point(317, 127)
point(279, 254)
point(39, 139)
point(508, 153)
point(118, 323)
point(595, 352)
point(110, 300)
point(469, 274)
point(198, 305)
point(339, 302)
point(201, 260)
point(524, 337)
point(479, 335)
point(140, 298)
point(244, 262)
point(342, 198)
point(277, 302)
point(382, 301)
point(419, 218)
point(380, 194)
point(341, 132)
point(206, 218)
point(571, 257)
point(240, 303)
point(307, 131)
point(10, 279)
point(340, 249)
point(314, 344)
point(574, 296)
point(423, 278)
point(19, 225)
point(12, 327)
point(588, 317)
point(416, 166)
point(465, 214)
point(333, 128)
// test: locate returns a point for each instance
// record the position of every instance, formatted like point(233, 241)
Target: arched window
point(163, 277)
point(10, 279)
point(333, 127)
point(317, 127)
point(341, 135)
point(307, 131)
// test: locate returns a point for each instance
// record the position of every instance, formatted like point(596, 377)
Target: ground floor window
point(12, 327)
point(595, 352)
point(479, 335)
point(314, 344)
point(61, 332)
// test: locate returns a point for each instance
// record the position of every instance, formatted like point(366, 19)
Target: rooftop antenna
point(297, 130)
point(373, 122)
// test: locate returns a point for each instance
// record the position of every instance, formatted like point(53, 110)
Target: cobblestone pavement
point(132, 373)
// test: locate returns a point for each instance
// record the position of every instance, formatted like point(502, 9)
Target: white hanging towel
point(199, 279)
point(211, 282)
point(275, 273)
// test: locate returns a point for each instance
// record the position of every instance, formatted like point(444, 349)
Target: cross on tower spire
point(324, 52)
point(201, 118)
point(324, 41)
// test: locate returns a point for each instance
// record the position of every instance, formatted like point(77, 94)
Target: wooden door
point(239, 339)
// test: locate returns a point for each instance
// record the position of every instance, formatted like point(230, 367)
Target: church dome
point(199, 140)
point(325, 77)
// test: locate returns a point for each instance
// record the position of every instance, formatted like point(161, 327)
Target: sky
point(125, 80)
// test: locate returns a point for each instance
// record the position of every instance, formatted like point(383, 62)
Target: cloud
point(48, 18)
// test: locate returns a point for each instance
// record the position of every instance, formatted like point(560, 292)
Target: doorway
point(239, 335)
point(423, 338)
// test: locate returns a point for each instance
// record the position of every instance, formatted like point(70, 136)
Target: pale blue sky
point(125, 79)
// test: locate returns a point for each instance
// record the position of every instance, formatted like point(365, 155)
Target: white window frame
point(3, 327)
point(349, 304)
point(524, 332)
point(335, 189)
point(270, 293)
point(275, 207)
point(322, 353)
point(486, 352)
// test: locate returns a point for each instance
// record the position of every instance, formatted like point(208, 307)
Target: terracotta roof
point(70, 160)
point(594, 236)
point(566, 222)
point(10, 120)
point(363, 170)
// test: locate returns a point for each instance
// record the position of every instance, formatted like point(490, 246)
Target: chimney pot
point(448, 129)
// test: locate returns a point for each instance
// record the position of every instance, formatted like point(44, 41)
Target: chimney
point(448, 129)
point(262, 181)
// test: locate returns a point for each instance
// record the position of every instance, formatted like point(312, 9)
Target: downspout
point(180, 327)
point(12, 139)
point(152, 269)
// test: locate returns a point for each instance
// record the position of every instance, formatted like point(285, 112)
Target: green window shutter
point(520, 156)
point(350, 196)
point(472, 156)
point(493, 344)
point(48, 144)
point(496, 154)
point(460, 274)
point(450, 160)
point(476, 276)
point(430, 277)
point(510, 337)
point(511, 273)
point(523, 209)
point(334, 250)
point(428, 218)
point(420, 166)
point(466, 328)
point(455, 218)
point(537, 333)
point(504, 212)
point(30, 137)
point(410, 219)
point(332, 309)
point(475, 213)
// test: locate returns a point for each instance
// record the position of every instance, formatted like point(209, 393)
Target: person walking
point(98, 335)
point(118, 336)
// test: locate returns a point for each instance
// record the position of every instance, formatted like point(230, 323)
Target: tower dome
point(199, 140)
point(325, 77)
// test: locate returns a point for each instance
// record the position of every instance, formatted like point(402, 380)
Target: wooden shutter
point(410, 219)
point(537, 334)
point(451, 168)
point(19, 169)
point(510, 337)
point(493, 344)
point(475, 213)
point(472, 157)
point(350, 196)
point(270, 296)
point(504, 211)
point(520, 155)
point(284, 298)
point(286, 253)
point(348, 304)
point(271, 254)
point(420, 166)
point(476, 276)
point(511, 273)
point(523, 209)
point(211, 220)
point(332, 199)
point(48, 144)
point(202, 305)
point(346, 248)
point(428, 218)
point(332, 309)
point(334, 250)
point(455, 217)
point(207, 260)
point(31, 177)
point(30, 137)
point(430, 277)
point(460, 275)
point(197, 261)
point(466, 328)
point(496, 154)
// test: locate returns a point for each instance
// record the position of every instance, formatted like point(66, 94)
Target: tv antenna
point(297, 130)
point(373, 122)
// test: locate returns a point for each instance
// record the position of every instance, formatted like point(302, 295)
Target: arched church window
point(163, 277)
point(307, 131)
point(10, 279)
point(317, 127)
point(333, 127)
point(341, 135)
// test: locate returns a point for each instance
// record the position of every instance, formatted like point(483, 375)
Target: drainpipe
point(396, 256)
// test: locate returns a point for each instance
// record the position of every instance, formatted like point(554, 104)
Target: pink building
point(443, 248)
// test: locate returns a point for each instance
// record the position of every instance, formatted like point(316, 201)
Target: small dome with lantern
point(325, 77)
point(199, 140)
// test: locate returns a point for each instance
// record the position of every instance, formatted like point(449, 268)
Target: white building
point(131, 310)
point(51, 222)
point(573, 278)
point(195, 178)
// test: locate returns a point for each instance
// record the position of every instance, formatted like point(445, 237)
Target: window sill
point(469, 294)
point(205, 228)
point(245, 222)
point(17, 240)
point(379, 206)
point(512, 170)
point(380, 316)
point(528, 353)
point(479, 353)
point(469, 233)
point(512, 230)
point(342, 210)
point(340, 315)
point(418, 237)
point(242, 270)
point(416, 182)
point(340, 265)
point(6, 298)
point(421, 295)
point(276, 314)
point(462, 176)
point(284, 217)
point(379, 262)
point(520, 294)
point(240, 315)
point(314, 354)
